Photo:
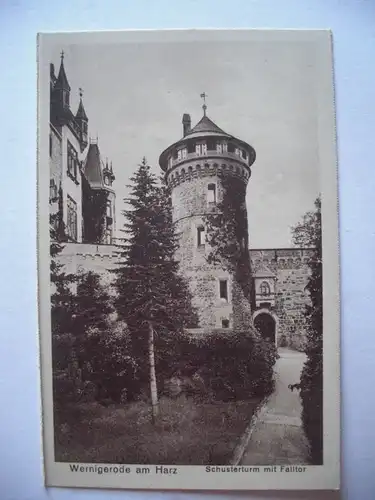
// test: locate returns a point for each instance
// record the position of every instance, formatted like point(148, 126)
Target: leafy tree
point(152, 298)
point(308, 233)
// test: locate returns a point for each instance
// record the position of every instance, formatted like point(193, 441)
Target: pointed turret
point(82, 122)
point(62, 87)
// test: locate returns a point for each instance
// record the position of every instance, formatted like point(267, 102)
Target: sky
point(261, 92)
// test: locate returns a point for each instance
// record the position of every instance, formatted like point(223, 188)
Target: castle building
point(81, 186)
point(195, 167)
point(80, 181)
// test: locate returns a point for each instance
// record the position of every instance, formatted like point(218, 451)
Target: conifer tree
point(92, 305)
point(152, 298)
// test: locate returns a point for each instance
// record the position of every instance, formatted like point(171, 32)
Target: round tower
point(195, 169)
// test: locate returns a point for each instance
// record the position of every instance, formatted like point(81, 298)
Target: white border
point(195, 477)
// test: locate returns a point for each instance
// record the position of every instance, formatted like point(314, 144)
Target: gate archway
point(266, 325)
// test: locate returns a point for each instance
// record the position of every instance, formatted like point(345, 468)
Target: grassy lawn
point(188, 432)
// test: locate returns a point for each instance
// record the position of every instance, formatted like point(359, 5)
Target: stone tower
point(195, 167)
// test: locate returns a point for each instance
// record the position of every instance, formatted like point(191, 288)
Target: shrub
point(232, 366)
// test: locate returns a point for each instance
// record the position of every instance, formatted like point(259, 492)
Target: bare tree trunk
point(153, 386)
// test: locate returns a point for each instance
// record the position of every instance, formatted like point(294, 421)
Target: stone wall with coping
point(291, 277)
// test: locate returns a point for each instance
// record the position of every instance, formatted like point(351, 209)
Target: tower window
point(201, 149)
point(201, 236)
point(230, 148)
point(72, 162)
point(223, 284)
point(50, 144)
point(191, 147)
point(225, 323)
point(265, 288)
point(219, 147)
point(211, 193)
point(72, 218)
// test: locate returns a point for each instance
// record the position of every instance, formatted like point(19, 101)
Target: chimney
point(186, 123)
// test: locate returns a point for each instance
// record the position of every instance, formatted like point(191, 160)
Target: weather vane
point(203, 96)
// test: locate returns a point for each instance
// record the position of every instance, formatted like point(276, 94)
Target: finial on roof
point(80, 92)
point(62, 55)
point(111, 169)
point(203, 96)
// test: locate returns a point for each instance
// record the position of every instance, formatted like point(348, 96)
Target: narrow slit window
point(223, 289)
point(211, 193)
point(201, 236)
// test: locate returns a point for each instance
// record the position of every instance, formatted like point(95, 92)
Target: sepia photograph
point(188, 259)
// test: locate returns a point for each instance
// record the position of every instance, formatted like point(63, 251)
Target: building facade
point(81, 183)
point(195, 168)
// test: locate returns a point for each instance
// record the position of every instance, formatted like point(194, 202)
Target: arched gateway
point(266, 324)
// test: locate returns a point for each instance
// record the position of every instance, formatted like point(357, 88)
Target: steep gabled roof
point(263, 272)
point(93, 167)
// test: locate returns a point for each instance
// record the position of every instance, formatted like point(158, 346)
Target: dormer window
point(106, 180)
point(65, 99)
point(211, 193)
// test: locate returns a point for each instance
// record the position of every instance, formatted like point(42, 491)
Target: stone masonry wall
point(291, 277)
point(190, 206)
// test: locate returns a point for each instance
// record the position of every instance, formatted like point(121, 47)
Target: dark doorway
point(265, 324)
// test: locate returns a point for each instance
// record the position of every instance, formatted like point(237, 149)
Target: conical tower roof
point(93, 167)
point(81, 113)
point(62, 80)
point(205, 124)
